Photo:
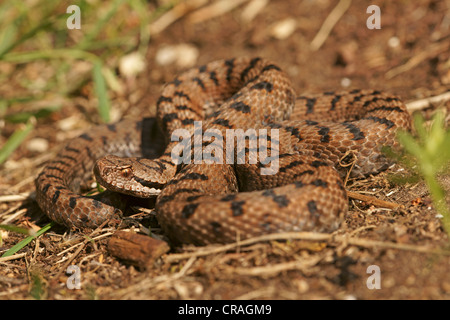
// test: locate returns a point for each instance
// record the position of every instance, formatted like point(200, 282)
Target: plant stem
point(438, 197)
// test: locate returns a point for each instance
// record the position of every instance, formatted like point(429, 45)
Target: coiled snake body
point(206, 201)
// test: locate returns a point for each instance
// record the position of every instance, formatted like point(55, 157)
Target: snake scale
point(203, 201)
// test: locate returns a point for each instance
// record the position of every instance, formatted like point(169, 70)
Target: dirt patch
point(409, 56)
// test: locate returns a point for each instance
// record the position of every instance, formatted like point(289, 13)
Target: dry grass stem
point(14, 216)
point(15, 197)
point(174, 14)
point(215, 9)
point(252, 9)
point(414, 61)
point(425, 103)
point(310, 236)
point(329, 23)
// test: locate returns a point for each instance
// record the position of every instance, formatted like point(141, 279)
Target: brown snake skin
point(208, 202)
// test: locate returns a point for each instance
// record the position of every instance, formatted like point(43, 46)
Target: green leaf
point(409, 143)
point(419, 125)
point(99, 26)
point(432, 153)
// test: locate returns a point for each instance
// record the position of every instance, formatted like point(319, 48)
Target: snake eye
point(126, 172)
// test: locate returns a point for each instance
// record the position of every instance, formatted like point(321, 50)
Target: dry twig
point(162, 281)
point(174, 14)
point(430, 52)
point(425, 103)
point(329, 24)
point(214, 10)
point(310, 236)
point(77, 252)
point(15, 197)
point(13, 257)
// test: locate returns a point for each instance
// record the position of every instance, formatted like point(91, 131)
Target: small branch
point(310, 236)
point(12, 257)
point(139, 250)
point(373, 200)
point(424, 103)
point(15, 197)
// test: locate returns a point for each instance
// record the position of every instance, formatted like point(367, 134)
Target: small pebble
point(132, 64)
point(183, 55)
point(37, 145)
point(283, 29)
point(346, 82)
point(393, 42)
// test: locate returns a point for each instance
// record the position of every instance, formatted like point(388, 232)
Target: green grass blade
point(23, 117)
point(419, 125)
point(99, 26)
point(63, 53)
point(7, 38)
point(144, 17)
point(27, 240)
point(101, 92)
point(46, 24)
point(15, 229)
point(14, 141)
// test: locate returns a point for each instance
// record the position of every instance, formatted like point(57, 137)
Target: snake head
point(122, 175)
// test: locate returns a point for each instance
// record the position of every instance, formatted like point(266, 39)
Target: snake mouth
point(134, 189)
point(132, 186)
point(148, 184)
